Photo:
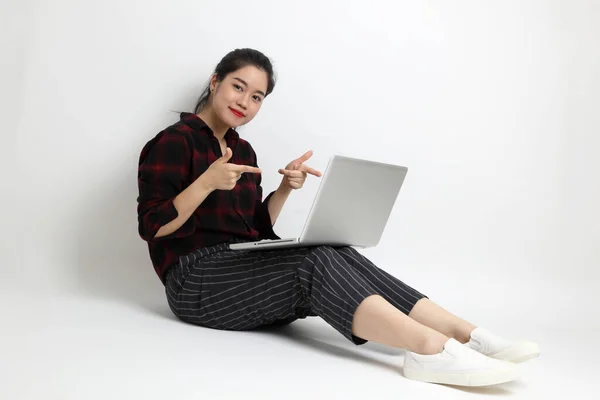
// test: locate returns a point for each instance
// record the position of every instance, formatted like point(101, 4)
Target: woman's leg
point(407, 299)
point(430, 314)
point(379, 321)
point(236, 290)
point(244, 290)
point(343, 298)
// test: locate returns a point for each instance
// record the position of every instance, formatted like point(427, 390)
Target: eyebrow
point(244, 82)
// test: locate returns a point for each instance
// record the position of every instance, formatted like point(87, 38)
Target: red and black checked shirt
point(168, 164)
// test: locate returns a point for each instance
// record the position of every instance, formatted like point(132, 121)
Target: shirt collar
point(195, 122)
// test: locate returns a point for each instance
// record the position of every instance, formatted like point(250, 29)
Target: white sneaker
point(458, 365)
point(494, 346)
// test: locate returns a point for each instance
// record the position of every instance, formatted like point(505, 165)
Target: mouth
point(237, 113)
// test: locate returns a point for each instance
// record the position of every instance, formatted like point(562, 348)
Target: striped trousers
point(219, 288)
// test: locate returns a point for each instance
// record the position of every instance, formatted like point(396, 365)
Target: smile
point(236, 113)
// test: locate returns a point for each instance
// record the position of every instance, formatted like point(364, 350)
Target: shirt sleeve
point(162, 173)
point(262, 218)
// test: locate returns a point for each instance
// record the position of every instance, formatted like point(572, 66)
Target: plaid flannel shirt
point(168, 164)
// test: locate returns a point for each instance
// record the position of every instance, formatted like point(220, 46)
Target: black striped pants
point(219, 288)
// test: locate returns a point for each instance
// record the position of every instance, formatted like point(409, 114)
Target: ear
point(213, 82)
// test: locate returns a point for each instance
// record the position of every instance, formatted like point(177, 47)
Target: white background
point(492, 105)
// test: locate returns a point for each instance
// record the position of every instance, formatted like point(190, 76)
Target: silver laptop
point(351, 208)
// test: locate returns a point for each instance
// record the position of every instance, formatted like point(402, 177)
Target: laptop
point(351, 208)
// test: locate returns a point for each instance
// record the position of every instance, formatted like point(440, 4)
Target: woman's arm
point(186, 203)
point(164, 203)
point(294, 175)
point(277, 201)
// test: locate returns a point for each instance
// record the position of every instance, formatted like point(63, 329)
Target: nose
point(243, 101)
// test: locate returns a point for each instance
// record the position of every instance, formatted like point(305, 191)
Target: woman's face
point(237, 99)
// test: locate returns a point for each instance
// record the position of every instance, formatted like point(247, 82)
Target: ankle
point(433, 343)
point(463, 334)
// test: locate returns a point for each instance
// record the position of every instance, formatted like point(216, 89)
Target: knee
point(327, 256)
point(347, 250)
point(325, 251)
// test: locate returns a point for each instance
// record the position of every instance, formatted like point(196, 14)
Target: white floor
point(93, 346)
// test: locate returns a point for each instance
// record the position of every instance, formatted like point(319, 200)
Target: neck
point(214, 123)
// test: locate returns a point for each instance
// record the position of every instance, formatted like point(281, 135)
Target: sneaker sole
point(519, 353)
point(464, 379)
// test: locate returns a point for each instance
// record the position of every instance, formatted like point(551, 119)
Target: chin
point(235, 122)
point(229, 119)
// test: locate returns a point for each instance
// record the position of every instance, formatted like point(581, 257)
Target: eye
point(257, 98)
point(237, 87)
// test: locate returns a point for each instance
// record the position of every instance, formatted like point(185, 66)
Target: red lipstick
point(237, 113)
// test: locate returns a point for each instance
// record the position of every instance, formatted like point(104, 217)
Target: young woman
point(200, 190)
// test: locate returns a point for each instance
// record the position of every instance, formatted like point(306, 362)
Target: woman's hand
point(223, 175)
point(294, 174)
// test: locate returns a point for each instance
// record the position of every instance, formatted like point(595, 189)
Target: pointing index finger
point(252, 170)
point(304, 157)
point(247, 168)
point(310, 170)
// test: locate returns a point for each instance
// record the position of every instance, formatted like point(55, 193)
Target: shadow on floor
point(339, 347)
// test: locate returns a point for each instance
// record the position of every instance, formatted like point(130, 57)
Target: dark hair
point(234, 60)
